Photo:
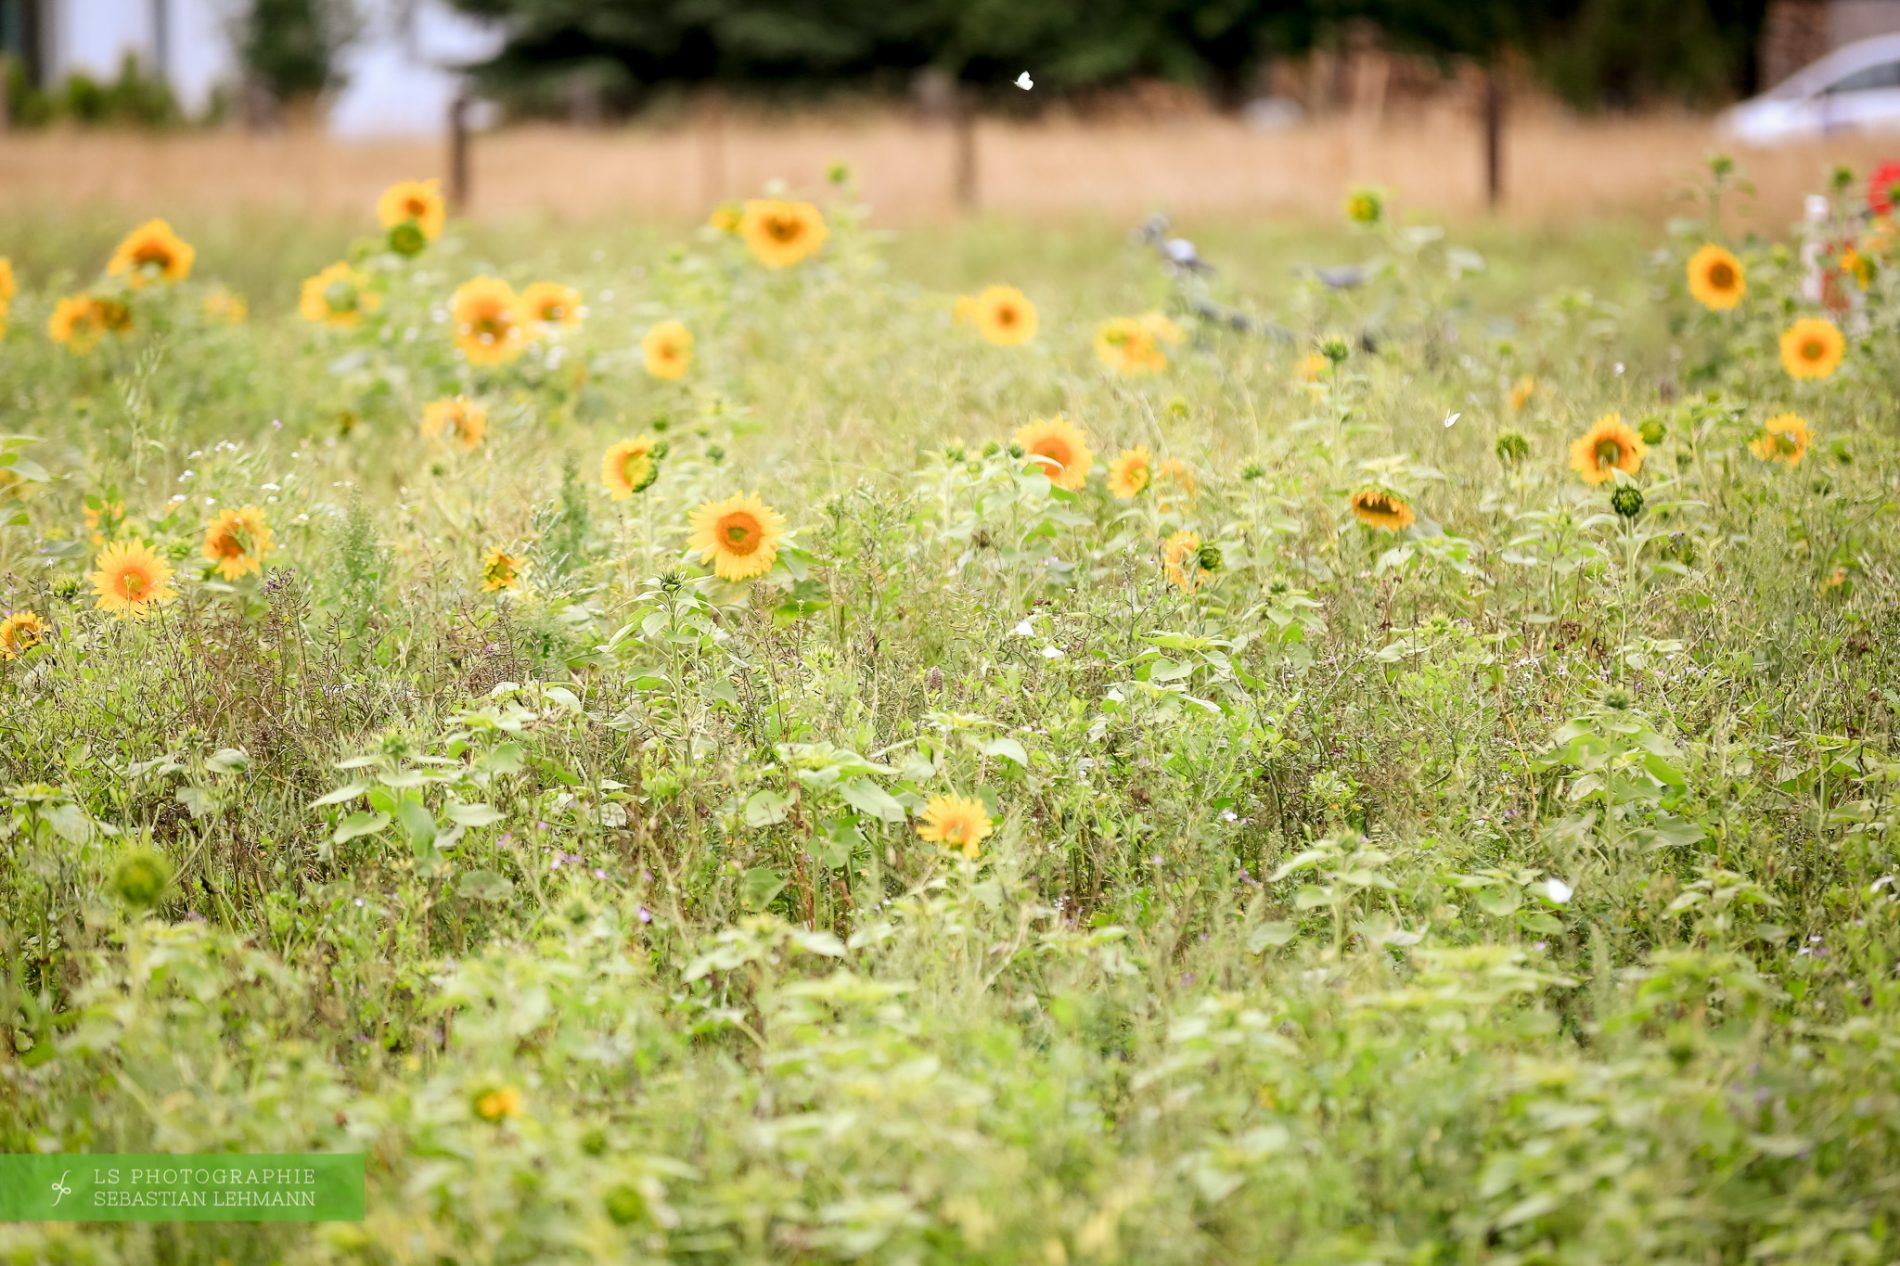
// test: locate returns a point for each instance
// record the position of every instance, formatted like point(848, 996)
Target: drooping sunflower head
point(630, 466)
point(1182, 561)
point(958, 822)
point(226, 308)
point(1130, 474)
point(1381, 508)
point(487, 321)
point(549, 305)
point(1716, 279)
point(1128, 346)
point(1058, 448)
point(1608, 446)
point(780, 233)
point(339, 296)
point(130, 580)
point(236, 541)
point(1812, 348)
point(20, 633)
point(417, 202)
point(738, 536)
point(459, 421)
point(668, 350)
point(1004, 315)
point(152, 252)
point(1784, 438)
point(500, 570)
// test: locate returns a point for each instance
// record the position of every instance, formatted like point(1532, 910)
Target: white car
point(1855, 88)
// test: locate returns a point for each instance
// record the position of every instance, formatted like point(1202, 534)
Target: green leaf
point(359, 824)
point(867, 797)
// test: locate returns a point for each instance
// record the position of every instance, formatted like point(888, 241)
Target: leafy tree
point(291, 48)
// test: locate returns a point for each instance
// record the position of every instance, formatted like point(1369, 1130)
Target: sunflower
point(20, 633)
point(1175, 475)
point(460, 421)
point(498, 1104)
point(630, 466)
point(960, 822)
point(1057, 448)
point(1003, 315)
point(131, 580)
point(1130, 474)
point(237, 540)
point(223, 306)
point(1128, 346)
point(338, 296)
point(486, 315)
point(79, 321)
point(1716, 278)
point(1381, 508)
point(668, 348)
point(726, 217)
point(8, 286)
point(1607, 447)
point(1522, 392)
point(738, 536)
point(1812, 348)
point(103, 519)
point(1311, 366)
point(500, 570)
point(780, 233)
point(152, 252)
point(1785, 437)
point(1181, 561)
point(417, 202)
point(549, 305)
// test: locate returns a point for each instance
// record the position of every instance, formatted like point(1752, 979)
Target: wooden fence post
point(458, 152)
point(1494, 136)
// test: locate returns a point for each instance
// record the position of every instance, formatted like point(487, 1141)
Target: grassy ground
point(1513, 887)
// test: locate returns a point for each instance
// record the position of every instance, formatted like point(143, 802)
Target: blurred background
point(1538, 112)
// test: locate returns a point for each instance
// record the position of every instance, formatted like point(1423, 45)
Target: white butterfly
point(1451, 420)
point(1024, 82)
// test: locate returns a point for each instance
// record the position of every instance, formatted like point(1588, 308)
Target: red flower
point(1881, 187)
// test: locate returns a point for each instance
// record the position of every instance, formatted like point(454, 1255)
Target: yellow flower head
point(726, 217)
point(1130, 474)
point(1311, 366)
point(1057, 448)
point(1003, 315)
point(549, 305)
point(223, 306)
point(498, 1104)
point(1364, 206)
point(80, 321)
point(460, 422)
point(630, 466)
point(668, 349)
point(1128, 346)
point(779, 233)
point(738, 536)
point(413, 201)
point(237, 540)
point(1716, 278)
point(1381, 508)
point(1784, 438)
point(20, 633)
point(1812, 348)
point(1174, 473)
point(1162, 327)
point(486, 317)
point(500, 570)
point(1608, 446)
point(338, 297)
point(8, 286)
point(152, 252)
point(1181, 561)
point(1522, 392)
point(959, 822)
point(131, 579)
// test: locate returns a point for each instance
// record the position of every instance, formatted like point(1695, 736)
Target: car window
point(1868, 79)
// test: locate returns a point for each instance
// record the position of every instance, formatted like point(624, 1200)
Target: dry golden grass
point(1557, 169)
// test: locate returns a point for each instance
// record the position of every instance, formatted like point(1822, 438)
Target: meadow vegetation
point(774, 743)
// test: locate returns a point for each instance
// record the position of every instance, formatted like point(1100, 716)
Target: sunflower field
point(797, 744)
